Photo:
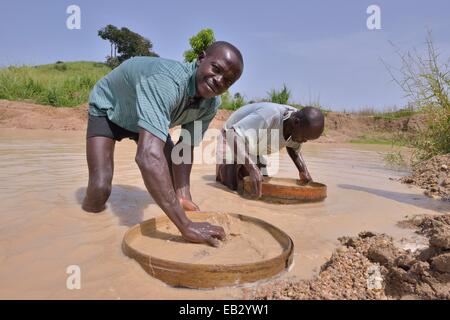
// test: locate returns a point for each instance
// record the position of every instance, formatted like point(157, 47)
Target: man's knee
point(100, 189)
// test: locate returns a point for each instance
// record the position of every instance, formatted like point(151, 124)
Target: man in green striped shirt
point(141, 99)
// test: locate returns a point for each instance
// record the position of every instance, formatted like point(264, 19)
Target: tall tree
point(125, 44)
point(199, 43)
point(110, 33)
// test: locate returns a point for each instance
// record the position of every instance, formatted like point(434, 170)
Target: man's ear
point(201, 56)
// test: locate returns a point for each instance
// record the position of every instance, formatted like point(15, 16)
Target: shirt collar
point(192, 88)
point(287, 114)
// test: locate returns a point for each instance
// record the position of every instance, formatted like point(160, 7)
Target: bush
point(426, 82)
point(234, 103)
point(282, 96)
point(60, 66)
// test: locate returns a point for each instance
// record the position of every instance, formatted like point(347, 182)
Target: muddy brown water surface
point(43, 229)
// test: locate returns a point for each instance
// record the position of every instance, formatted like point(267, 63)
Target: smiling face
point(217, 70)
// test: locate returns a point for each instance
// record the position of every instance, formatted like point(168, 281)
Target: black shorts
point(103, 127)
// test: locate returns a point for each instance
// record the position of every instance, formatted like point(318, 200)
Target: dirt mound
point(424, 273)
point(344, 276)
point(340, 126)
point(23, 115)
point(433, 175)
point(370, 266)
point(345, 126)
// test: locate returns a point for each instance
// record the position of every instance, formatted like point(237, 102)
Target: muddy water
point(43, 230)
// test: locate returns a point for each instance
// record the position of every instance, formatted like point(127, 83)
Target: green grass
point(63, 84)
point(374, 140)
point(392, 113)
point(396, 159)
point(402, 113)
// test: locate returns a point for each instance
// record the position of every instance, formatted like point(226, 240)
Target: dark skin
point(233, 139)
point(167, 183)
point(298, 133)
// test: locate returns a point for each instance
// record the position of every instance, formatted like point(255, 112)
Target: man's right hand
point(203, 232)
point(188, 205)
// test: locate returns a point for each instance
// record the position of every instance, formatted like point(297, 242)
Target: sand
point(245, 242)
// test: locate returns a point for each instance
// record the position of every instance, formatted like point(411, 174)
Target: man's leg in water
point(100, 159)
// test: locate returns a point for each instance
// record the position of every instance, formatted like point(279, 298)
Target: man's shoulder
point(265, 109)
point(149, 66)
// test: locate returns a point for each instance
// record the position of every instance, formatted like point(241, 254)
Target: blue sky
point(322, 50)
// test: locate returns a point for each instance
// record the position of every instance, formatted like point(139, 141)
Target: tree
point(126, 43)
point(110, 33)
point(199, 43)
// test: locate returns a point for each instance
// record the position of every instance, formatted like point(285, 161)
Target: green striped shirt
point(154, 94)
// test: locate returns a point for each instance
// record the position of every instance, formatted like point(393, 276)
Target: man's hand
point(188, 205)
point(305, 177)
point(200, 232)
point(256, 178)
point(303, 172)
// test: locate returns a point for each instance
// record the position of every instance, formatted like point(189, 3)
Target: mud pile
point(425, 273)
point(432, 175)
point(370, 266)
point(344, 276)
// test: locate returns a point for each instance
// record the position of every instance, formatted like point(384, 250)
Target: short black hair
point(221, 44)
point(310, 117)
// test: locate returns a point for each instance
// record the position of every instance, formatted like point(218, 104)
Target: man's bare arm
point(299, 162)
point(181, 177)
point(239, 143)
point(155, 172)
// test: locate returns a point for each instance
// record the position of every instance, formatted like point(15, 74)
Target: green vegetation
point(232, 103)
point(280, 96)
point(389, 113)
point(125, 42)
point(60, 84)
point(426, 82)
point(394, 115)
point(396, 159)
point(199, 43)
point(377, 140)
